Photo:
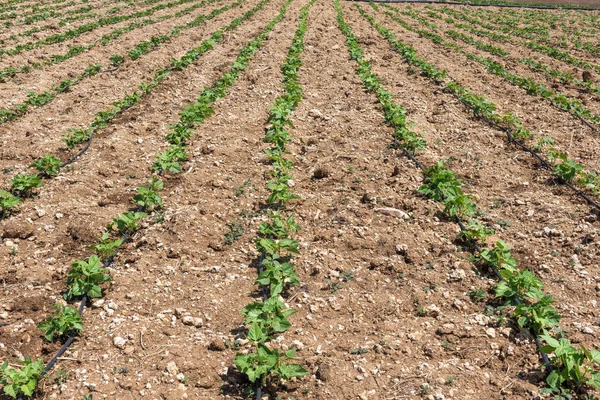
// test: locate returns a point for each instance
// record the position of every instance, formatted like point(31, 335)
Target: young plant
point(76, 136)
point(441, 185)
point(267, 362)
point(106, 247)
point(568, 169)
point(170, 159)
point(270, 316)
point(573, 368)
point(85, 278)
point(21, 382)
point(236, 230)
point(148, 197)
point(66, 321)
point(277, 275)
point(48, 164)
point(23, 185)
point(7, 202)
point(475, 232)
point(127, 222)
point(116, 60)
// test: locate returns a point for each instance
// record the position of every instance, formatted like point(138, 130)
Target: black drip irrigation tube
point(545, 164)
point(454, 3)
point(80, 309)
point(516, 300)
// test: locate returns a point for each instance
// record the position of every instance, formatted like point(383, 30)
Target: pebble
point(119, 342)
point(457, 275)
point(298, 344)
point(315, 113)
point(432, 310)
point(172, 368)
point(491, 332)
point(192, 321)
point(394, 212)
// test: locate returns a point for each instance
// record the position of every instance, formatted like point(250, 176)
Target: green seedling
point(106, 247)
point(7, 202)
point(18, 382)
point(23, 185)
point(64, 322)
point(85, 278)
point(76, 136)
point(127, 222)
point(148, 197)
point(48, 164)
point(268, 362)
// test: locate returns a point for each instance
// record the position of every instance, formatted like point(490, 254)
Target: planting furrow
point(23, 185)
point(541, 48)
point(542, 31)
point(40, 99)
point(564, 169)
point(106, 39)
point(571, 368)
point(126, 224)
point(552, 74)
point(87, 28)
point(266, 365)
point(532, 87)
point(17, 34)
point(550, 135)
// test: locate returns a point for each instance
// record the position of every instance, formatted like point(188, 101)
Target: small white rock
point(172, 368)
point(119, 342)
point(394, 212)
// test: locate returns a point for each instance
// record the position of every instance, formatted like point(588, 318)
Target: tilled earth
point(384, 310)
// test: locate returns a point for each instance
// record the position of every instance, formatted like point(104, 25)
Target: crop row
point(73, 33)
point(38, 14)
point(9, 72)
point(533, 45)
point(546, 24)
point(533, 65)
point(86, 277)
point(531, 86)
point(23, 185)
point(520, 291)
point(63, 22)
point(565, 169)
point(142, 48)
point(266, 365)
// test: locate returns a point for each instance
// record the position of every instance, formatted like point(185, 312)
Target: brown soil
point(51, 26)
point(383, 305)
point(44, 52)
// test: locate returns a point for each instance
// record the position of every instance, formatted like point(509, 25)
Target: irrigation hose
point(516, 300)
point(481, 5)
point(81, 307)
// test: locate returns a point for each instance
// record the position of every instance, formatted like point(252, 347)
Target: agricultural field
point(298, 199)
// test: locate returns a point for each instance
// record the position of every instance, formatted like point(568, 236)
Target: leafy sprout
point(65, 321)
point(22, 381)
